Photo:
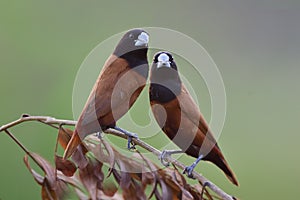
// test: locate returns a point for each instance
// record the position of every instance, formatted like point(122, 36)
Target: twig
point(52, 121)
point(17, 141)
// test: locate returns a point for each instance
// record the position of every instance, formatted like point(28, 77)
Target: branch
point(53, 121)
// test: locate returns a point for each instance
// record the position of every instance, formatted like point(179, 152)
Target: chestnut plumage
point(119, 84)
point(179, 117)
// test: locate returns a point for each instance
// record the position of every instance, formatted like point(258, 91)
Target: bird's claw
point(189, 171)
point(99, 135)
point(129, 142)
point(129, 137)
point(162, 157)
point(167, 154)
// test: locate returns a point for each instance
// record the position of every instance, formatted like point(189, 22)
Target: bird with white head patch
point(179, 116)
point(102, 109)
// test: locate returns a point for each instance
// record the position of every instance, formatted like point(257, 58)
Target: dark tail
point(219, 160)
point(72, 145)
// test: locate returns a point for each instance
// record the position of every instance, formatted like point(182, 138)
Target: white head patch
point(163, 60)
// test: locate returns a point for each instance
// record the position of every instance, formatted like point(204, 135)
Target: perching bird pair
point(119, 84)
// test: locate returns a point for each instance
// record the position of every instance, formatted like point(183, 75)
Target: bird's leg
point(166, 154)
point(99, 135)
point(189, 169)
point(129, 136)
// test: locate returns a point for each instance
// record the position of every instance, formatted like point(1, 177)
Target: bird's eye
point(131, 36)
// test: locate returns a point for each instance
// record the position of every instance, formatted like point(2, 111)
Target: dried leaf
point(81, 195)
point(73, 181)
point(64, 136)
point(178, 178)
point(92, 177)
point(116, 196)
point(150, 177)
point(96, 148)
point(37, 177)
point(52, 188)
point(111, 153)
point(109, 189)
point(116, 175)
point(47, 192)
point(194, 192)
point(79, 158)
point(62, 189)
point(125, 177)
point(46, 167)
point(167, 191)
point(67, 167)
point(130, 187)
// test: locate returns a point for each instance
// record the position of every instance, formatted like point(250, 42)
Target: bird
point(179, 116)
point(120, 82)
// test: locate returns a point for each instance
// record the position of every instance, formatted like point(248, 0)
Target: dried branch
point(53, 122)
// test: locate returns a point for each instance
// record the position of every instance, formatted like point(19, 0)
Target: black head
point(164, 59)
point(165, 80)
point(164, 67)
point(133, 41)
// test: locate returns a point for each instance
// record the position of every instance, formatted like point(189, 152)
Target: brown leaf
point(51, 187)
point(125, 180)
point(178, 178)
point(73, 181)
point(102, 195)
point(64, 136)
point(110, 151)
point(79, 158)
point(62, 189)
point(67, 167)
point(81, 195)
point(97, 149)
point(131, 188)
point(167, 191)
point(46, 167)
point(109, 188)
point(49, 182)
point(150, 177)
point(170, 188)
point(47, 192)
point(92, 177)
point(196, 193)
point(37, 177)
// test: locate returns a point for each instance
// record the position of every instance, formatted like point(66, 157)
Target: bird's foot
point(99, 135)
point(130, 135)
point(166, 154)
point(189, 170)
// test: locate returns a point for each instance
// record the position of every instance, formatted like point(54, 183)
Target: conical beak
point(142, 40)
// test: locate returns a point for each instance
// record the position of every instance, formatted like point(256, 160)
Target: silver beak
point(142, 40)
point(163, 64)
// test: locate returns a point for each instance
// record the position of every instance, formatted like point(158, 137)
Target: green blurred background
point(255, 44)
